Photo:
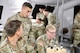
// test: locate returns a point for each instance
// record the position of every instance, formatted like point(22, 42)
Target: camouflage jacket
point(22, 47)
point(76, 31)
point(6, 47)
point(38, 29)
point(40, 15)
point(51, 18)
point(43, 43)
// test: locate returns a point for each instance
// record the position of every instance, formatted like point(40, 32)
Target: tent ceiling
point(48, 2)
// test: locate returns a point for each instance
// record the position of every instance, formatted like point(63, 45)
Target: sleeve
point(40, 49)
point(76, 25)
point(4, 50)
point(40, 45)
point(31, 37)
point(52, 19)
point(76, 31)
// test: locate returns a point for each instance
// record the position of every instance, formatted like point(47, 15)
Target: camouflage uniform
point(43, 39)
point(76, 29)
point(6, 47)
point(27, 25)
point(40, 16)
point(51, 18)
point(38, 29)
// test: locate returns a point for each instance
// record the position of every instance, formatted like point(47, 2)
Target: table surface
point(56, 50)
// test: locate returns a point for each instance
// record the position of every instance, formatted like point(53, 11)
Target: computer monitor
point(1, 8)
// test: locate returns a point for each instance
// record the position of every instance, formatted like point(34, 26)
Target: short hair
point(27, 4)
point(42, 6)
point(12, 26)
point(50, 26)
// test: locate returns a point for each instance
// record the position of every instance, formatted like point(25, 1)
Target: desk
point(56, 50)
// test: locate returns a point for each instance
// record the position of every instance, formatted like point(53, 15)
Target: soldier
point(47, 40)
point(13, 38)
point(50, 18)
point(23, 16)
point(76, 29)
point(40, 14)
point(39, 27)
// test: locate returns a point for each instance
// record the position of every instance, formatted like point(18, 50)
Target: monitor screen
point(1, 8)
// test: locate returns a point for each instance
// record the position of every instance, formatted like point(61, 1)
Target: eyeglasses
point(52, 32)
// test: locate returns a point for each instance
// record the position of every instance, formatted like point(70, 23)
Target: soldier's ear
point(17, 32)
